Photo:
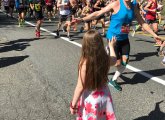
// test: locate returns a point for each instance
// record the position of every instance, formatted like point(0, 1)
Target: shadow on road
point(7, 61)
point(143, 40)
point(141, 56)
point(5, 21)
point(17, 45)
point(156, 114)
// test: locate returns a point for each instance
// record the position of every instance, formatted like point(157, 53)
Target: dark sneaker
point(81, 29)
point(57, 33)
point(69, 37)
point(114, 84)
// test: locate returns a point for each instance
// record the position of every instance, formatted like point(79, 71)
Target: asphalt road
point(38, 76)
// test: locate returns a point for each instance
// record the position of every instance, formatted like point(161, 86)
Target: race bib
point(37, 7)
point(125, 28)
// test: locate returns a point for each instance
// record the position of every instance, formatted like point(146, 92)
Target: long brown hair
point(97, 60)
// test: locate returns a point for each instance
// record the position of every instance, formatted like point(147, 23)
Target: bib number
point(125, 28)
point(37, 7)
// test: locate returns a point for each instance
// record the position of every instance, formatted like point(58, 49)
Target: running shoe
point(69, 37)
point(19, 24)
point(22, 23)
point(163, 63)
point(37, 34)
point(161, 53)
point(114, 84)
point(57, 33)
point(94, 27)
point(81, 29)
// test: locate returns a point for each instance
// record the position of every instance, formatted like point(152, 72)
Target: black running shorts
point(39, 15)
point(122, 48)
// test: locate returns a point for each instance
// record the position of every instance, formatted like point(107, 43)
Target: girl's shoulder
point(83, 62)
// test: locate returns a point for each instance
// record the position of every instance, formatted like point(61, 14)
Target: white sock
point(119, 71)
point(163, 60)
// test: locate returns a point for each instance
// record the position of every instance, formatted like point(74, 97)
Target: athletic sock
point(119, 71)
point(163, 60)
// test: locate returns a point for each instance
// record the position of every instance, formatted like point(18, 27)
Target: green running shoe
point(114, 84)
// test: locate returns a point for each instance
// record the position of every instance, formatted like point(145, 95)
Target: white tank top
point(63, 10)
point(6, 2)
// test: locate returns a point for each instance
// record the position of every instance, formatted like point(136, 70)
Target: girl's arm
point(79, 88)
point(112, 51)
point(144, 24)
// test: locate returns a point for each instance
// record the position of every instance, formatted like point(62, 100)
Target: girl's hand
point(73, 111)
point(112, 42)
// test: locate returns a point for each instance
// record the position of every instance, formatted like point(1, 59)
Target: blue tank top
point(121, 21)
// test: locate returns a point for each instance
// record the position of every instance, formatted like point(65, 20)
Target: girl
point(92, 98)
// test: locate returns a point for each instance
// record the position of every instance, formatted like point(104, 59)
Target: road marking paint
point(156, 79)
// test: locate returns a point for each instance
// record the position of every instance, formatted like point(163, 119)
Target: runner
point(37, 5)
point(85, 12)
point(98, 6)
point(124, 12)
point(55, 9)
point(159, 10)
point(31, 12)
point(6, 6)
point(11, 7)
point(65, 15)
point(151, 8)
point(49, 8)
point(21, 6)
